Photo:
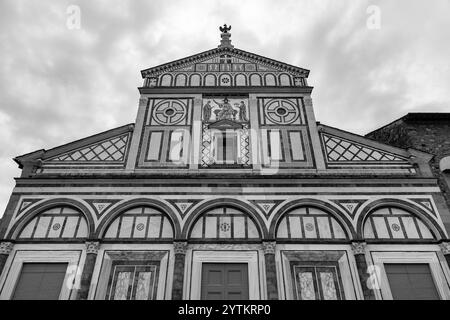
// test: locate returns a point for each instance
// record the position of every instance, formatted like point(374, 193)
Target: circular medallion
point(281, 111)
point(309, 227)
point(140, 227)
point(395, 227)
point(169, 112)
point(56, 226)
point(224, 226)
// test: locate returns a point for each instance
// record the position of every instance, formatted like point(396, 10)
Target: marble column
point(5, 250)
point(271, 270)
point(180, 248)
point(359, 252)
point(89, 264)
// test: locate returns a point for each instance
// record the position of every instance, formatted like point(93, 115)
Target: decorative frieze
point(6, 247)
point(92, 247)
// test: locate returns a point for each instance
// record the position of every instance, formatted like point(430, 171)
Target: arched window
point(395, 223)
point(309, 223)
point(140, 223)
point(54, 223)
point(195, 80)
point(166, 80)
point(285, 80)
point(255, 80)
point(240, 80)
point(225, 223)
point(180, 80)
point(210, 80)
point(270, 80)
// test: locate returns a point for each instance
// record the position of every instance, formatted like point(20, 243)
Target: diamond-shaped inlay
point(341, 150)
point(108, 150)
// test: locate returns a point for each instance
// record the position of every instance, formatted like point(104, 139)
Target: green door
point(224, 281)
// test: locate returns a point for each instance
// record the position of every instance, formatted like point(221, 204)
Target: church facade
point(225, 187)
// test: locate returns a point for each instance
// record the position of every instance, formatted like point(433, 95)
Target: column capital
point(6, 247)
point(359, 248)
point(92, 247)
point(269, 247)
point(180, 247)
point(445, 247)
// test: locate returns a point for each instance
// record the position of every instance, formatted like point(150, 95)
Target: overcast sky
point(58, 84)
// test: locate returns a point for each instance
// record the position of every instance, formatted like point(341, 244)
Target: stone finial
point(180, 247)
point(92, 247)
point(445, 247)
point(6, 247)
point(225, 41)
point(269, 247)
point(359, 248)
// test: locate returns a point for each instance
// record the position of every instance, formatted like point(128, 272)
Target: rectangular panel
point(42, 227)
point(55, 232)
point(126, 227)
point(175, 152)
point(411, 282)
point(410, 228)
point(140, 227)
point(40, 281)
point(239, 227)
point(380, 227)
point(310, 227)
point(225, 227)
point(295, 227)
point(70, 227)
point(211, 227)
point(296, 145)
point(274, 145)
point(122, 283)
point(154, 227)
point(154, 145)
point(323, 224)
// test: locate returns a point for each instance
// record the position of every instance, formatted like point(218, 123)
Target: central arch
point(224, 202)
point(340, 217)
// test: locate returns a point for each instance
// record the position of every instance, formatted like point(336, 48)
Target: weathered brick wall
point(432, 136)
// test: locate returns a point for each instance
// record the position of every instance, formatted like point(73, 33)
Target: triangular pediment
point(230, 60)
point(225, 124)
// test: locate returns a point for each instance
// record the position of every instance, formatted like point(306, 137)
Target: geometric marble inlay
point(107, 150)
point(338, 149)
point(425, 204)
point(350, 206)
point(100, 206)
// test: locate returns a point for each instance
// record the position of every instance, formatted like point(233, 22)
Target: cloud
point(58, 85)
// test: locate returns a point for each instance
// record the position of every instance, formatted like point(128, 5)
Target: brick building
point(225, 187)
point(428, 132)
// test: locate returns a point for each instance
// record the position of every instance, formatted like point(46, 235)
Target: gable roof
point(67, 148)
point(180, 63)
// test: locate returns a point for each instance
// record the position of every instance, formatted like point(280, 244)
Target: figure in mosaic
point(242, 111)
point(226, 111)
point(207, 111)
